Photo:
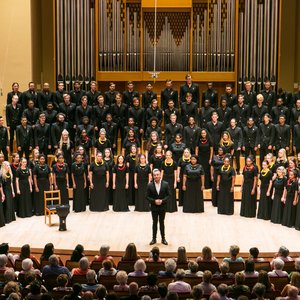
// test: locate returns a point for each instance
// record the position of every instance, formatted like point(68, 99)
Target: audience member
point(179, 286)
point(121, 278)
point(206, 284)
point(139, 269)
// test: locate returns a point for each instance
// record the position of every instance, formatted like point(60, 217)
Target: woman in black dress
point(142, 176)
point(102, 142)
point(157, 159)
point(24, 189)
point(120, 185)
point(216, 164)
point(248, 188)
point(204, 151)
point(2, 217)
point(152, 143)
point(14, 167)
point(297, 221)
point(182, 163)
point(271, 164)
point(225, 188)
point(178, 147)
point(265, 188)
point(129, 141)
point(41, 179)
point(79, 184)
point(99, 182)
point(109, 160)
point(35, 159)
point(131, 163)
point(85, 142)
point(281, 160)
point(290, 200)
point(169, 174)
point(279, 185)
point(193, 185)
point(66, 146)
point(60, 172)
point(227, 144)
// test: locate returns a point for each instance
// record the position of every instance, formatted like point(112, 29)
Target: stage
point(119, 228)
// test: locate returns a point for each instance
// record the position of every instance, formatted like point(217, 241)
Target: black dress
point(61, 181)
point(265, 202)
point(156, 161)
point(248, 203)
point(9, 211)
point(2, 218)
point(141, 203)
point(67, 152)
point(131, 163)
point(297, 221)
point(169, 177)
point(110, 164)
point(225, 198)
point(203, 160)
point(289, 210)
point(25, 202)
point(277, 206)
point(127, 144)
point(99, 194)
point(120, 193)
point(182, 163)
point(14, 169)
point(217, 163)
point(102, 145)
point(151, 150)
point(177, 151)
point(227, 148)
point(193, 196)
point(79, 194)
point(43, 184)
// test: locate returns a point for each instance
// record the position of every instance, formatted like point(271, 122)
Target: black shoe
point(152, 242)
point(164, 241)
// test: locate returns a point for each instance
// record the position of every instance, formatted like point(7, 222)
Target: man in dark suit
point(24, 138)
point(158, 192)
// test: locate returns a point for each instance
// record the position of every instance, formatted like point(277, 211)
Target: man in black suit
point(158, 192)
point(24, 138)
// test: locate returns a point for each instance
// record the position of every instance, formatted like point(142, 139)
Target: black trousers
point(4, 151)
point(263, 152)
point(24, 149)
point(12, 130)
point(248, 151)
point(237, 154)
point(158, 215)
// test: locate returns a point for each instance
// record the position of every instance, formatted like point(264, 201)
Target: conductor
point(158, 192)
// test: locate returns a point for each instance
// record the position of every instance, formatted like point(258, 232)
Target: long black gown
point(182, 163)
point(102, 145)
point(120, 193)
point(131, 163)
point(169, 177)
point(203, 160)
point(9, 211)
point(110, 164)
point(61, 181)
point(265, 202)
point(217, 163)
point(177, 150)
point(156, 161)
point(79, 194)
point(42, 178)
point(2, 218)
point(248, 203)
point(141, 203)
point(225, 198)
point(99, 194)
point(25, 202)
point(67, 152)
point(289, 210)
point(14, 169)
point(297, 221)
point(277, 205)
point(193, 196)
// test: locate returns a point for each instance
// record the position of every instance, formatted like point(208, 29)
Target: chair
point(152, 294)
point(108, 281)
point(262, 265)
point(184, 296)
point(236, 295)
point(166, 280)
point(140, 280)
point(272, 295)
point(251, 281)
point(192, 280)
point(183, 266)
point(18, 265)
point(289, 266)
point(212, 266)
point(127, 266)
point(96, 265)
point(218, 280)
point(120, 294)
point(57, 294)
point(71, 264)
point(51, 201)
point(78, 279)
point(279, 282)
point(155, 267)
point(236, 266)
point(50, 281)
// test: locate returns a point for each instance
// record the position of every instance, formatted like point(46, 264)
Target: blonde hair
point(260, 96)
point(7, 171)
point(61, 139)
point(284, 155)
point(230, 142)
point(281, 169)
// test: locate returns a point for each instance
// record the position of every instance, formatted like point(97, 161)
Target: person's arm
point(196, 150)
point(30, 182)
point(232, 184)
point(107, 179)
point(218, 182)
point(269, 188)
point(91, 179)
point(211, 154)
point(283, 198)
point(12, 189)
point(178, 173)
point(35, 183)
point(127, 181)
point(84, 178)
point(135, 181)
point(184, 183)
point(254, 185)
point(114, 181)
point(212, 173)
point(18, 186)
point(149, 195)
point(295, 202)
point(202, 183)
point(2, 194)
point(175, 179)
point(73, 181)
point(54, 181)
point(67, 180)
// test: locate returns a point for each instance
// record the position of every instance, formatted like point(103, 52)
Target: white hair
point(27, 264)
point(278, 264)
point(61, 139)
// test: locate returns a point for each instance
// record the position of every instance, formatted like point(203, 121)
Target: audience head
point(9, 275)
point(162, 290)
point(295, 279)
point(181, 255)
point(107, 265)
point(207, 276)
point(264, 279)
point(259, 290)
point(35, 287)
point(146, 297)
point(14, 296)
point(25, 251)
point(77, 289)
point(3, 260)
point(193, 266)
point(77, 253)
point(278, 264)
point(179, 274)
point(91, 276)
point(140, 265)
point(151, 279)
point(206, 253)
point(130, 253)
point(172, 296)
point(104, 249)
point(249, 266)
point(133, 288)
point(170, 265)
point(62, 280)
point(30, 276)
point(234, 250)
point(53, 260)
point(155, 253)
point(283, 251)
point(214, 296)
point(224, 267)
point(88, 295)
point(84, 263)
point(101, 292)
point(293, 292)
point(122, 277)
point(239, 278)
point(223, 289)
point(197, 292)
point(297, 263)
point(11, 287)
point(48, 251)
point(27, 264)
point(254, 252)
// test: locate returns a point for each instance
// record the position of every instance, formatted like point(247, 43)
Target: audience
point(103, 255)
point(108, 269)
point(101, 292)
point(62, 282)
point(151, 284)
point(84, 265)
point(54, 268)
point(133, 292)
point(27, 265)
point(162, 290)
point(224, 271)
point(254, 252)
point(130, 253)
point(121, 278)
point(179, 286)
point(295, 281)
point(207, 255)
point(193, 270)
point(234, 251)
point(139, 269)
point(170, 267)
point(26, 253)
point(293, 294)
point(77, 253)
point(239, 286)
point(91, 284)
point(155, 255)
point(259, 291)
point(249, 271)
point(206, 284)
point(223, 291)
point(197, 292)
point(278, 265)
point(265, 280)
point(181, 256)
point(3, 263)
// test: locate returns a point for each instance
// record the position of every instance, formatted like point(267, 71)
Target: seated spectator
point(101, 292)
point(3, 263)
point(179, 286)
point(295, 281)
point(207, 255)
point(234, 251)
point(206, 284)
point(172, 296)
point(193, 270)
point(54, 268)
point(139, 268)
point(34, 291)
point(4, 249)
point(108, 269)
point(146, 297)
point(265, 280)
point(170, 267)
point(9, 275)
point(223, 291)
point(133, 292)
point(27, 265)
point(103, 255)
point(197, 292)
point(259, 291)
point(283, 254)
point(14, 296)
point(122, 285)
point(249, 271)
point(47, 252)
point(254, 252)
point(293, 294)
point(151, 284)
point(31, 277)
point(162, 290)
point(91, 284)
point(87, 295)
point(278, 264)
point(62, 282)
point(181, 256)
point(26, 253)
point(155, 255)
point(112, 296)
point(297, 264)
point(84, 266)
point(224, 271)
point(77, 253)
point(11, 287)
point(75, 294)
point(239, 286)
point(214, 296)
point(130, 253)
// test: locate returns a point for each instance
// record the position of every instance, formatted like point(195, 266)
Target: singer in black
point(158, 193)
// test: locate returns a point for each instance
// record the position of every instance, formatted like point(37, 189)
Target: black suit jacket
point(163, 195)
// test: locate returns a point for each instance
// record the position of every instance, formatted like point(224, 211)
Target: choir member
point(15, 92)
point(296, 137)
point(215, 128)
point(226, 144)
point(66, 146)
point(286, 96)
point(100, 110)
point(188, 109)
point(190, 87)
point(205, 113)
point(265, 189)
point(154, 111)
point(68, 110)
point(250, 138)
point(99, 183)
point(138, 114)
point(193, 186)
point(281, 160)
point(31, 113)
point(259, 110)
point(282, 135)
point(171, 130)
point(109, 160)
point(248, 189)
point(295, 113)
point(182, 163)
point(85, 141)
point(280, 110)
point(77, 93)
point(142, 176)
point(168, 173)
point(79, 181)
point(148, 96)
point(24, 138)
point(131, 125)
point(157, 159)
point(83, 110)
point(191, 134)
point(167, 94)
point(111, 130)
point(171, 109)
point(241, 112)
point(50, 113)
point(131, 159)
point(120, 185)
point(110, 95)
point(35, 155)
point(210, 94)
point(85, 125)
point(229, 96)
point(59, 94)
point(269, 95)
point(249, 95)
point(93, 94)
point(153, 126)
point(15, 164)
point(271, 163)
point(30, 94)
point(130, 140)
point(102, 142)
point(2, 217)
point(225, 188)
point(57, 129)
point(130, 94)
point(42, 135)
point(177, 147)
point(224, 112)
point(4, 141)
point(151, 145)
point(45, 96)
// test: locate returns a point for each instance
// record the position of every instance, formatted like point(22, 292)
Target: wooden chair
point(279, 282)
point(71, 264)
point(183, 266)
point(140, 280)
point(272, 295)
point(57, 295)
point(50, 281)
point(183, 296)
point(96, 265)
point(127, 266)
point(166, 280)
point(289, 266)
point(78, 279)
point(212, 266)
point(155, 267)
point(108, 281)
point(262, 265)
point(193, 280)
point(251, 282)
point(236, 266)
point(218, 280)
point(152, 294)
point(51, 201)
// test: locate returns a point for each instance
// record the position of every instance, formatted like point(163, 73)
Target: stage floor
point(118, 229)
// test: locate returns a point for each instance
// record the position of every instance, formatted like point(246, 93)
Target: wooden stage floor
point(118, 229)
